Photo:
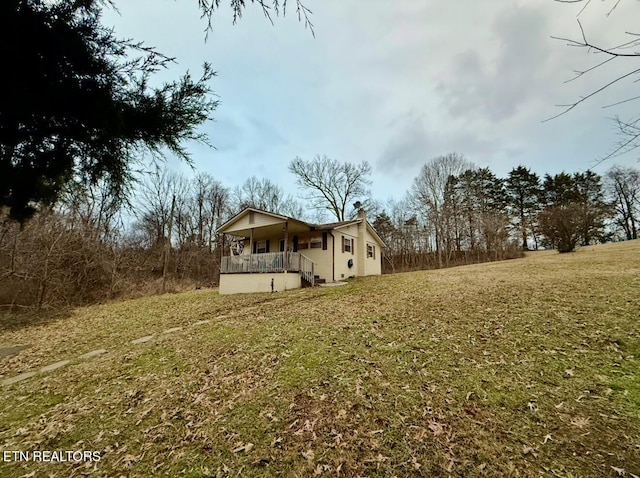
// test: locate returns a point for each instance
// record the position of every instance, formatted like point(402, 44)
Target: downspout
point(333, 257)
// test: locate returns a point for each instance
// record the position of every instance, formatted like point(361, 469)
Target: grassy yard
point(529, 367)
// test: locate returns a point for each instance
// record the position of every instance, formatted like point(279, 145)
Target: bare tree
point(258, 193)
point(428, 191)
point(153, 208)
point(331, 185)
point(623, 186)
point(562, 225)
point(216, 208)
point(266, 195)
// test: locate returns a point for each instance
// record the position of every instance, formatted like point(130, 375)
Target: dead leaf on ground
point(276, 441)
point(580, 422)
point(619, 471)
point(435, 427)
point(246, 447)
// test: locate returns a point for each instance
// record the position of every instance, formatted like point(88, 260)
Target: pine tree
point(523, 193)
point(75, 103)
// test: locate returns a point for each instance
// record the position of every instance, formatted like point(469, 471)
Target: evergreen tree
point(523, 193)
point(75, 103)
point(595, 210)
point(558, 190)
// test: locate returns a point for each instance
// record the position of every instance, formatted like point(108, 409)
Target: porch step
point(318, 281)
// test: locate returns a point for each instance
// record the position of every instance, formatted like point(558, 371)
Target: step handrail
point(307, 267)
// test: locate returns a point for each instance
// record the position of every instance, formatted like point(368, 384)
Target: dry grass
point(520, 368)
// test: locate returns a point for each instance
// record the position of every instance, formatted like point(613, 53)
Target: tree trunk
point(167, 248)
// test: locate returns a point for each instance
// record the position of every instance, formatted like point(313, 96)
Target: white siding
point(342, 270)
point(373, 266)
point(323, 265)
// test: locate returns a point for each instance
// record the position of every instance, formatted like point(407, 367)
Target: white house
point(279, 252)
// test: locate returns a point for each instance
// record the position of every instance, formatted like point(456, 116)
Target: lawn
point(529, 367)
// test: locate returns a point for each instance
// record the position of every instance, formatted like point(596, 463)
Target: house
point(274, 252)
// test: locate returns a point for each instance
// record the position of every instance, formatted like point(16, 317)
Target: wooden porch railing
point(268, 262)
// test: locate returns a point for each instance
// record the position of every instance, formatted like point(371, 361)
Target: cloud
point(411, 143)
point(407, 145)
point(497, 80)
point(395, 83)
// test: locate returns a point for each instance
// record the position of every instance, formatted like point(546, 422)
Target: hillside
point(527, 367)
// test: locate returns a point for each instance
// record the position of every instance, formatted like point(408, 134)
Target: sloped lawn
point(522, 368)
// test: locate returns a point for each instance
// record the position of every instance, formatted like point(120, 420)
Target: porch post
point(251, 251)
point(286, 241)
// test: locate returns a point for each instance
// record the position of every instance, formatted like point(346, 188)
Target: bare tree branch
point(593, 93)
point(612, 53)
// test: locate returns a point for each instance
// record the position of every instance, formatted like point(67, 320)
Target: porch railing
point(268, 262)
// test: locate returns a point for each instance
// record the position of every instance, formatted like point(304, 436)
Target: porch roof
point(269, 225)
point(273, 225)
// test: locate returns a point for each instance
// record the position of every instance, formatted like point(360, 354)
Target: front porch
point(265, 262)
point(265, 272)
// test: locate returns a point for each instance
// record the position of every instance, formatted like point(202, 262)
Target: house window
point(315, 243)
point(252, 217)
point(347, 244)
point(303, 244)
point(261, 247)
point(281, 245)
point(371, 251)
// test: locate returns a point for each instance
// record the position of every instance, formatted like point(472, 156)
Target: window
point(261, 247)
point(281, 245)
point(315, 243)
point(347, 244)
point(310, 243)
point(252, 217)
point(371, 251)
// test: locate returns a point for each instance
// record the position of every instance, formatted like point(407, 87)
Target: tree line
point(92, 245)
point(457, 213)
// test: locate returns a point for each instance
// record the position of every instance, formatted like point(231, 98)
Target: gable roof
point(246, 211)
point(279, 218)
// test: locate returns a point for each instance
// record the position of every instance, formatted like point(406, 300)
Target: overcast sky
point(395, 83)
